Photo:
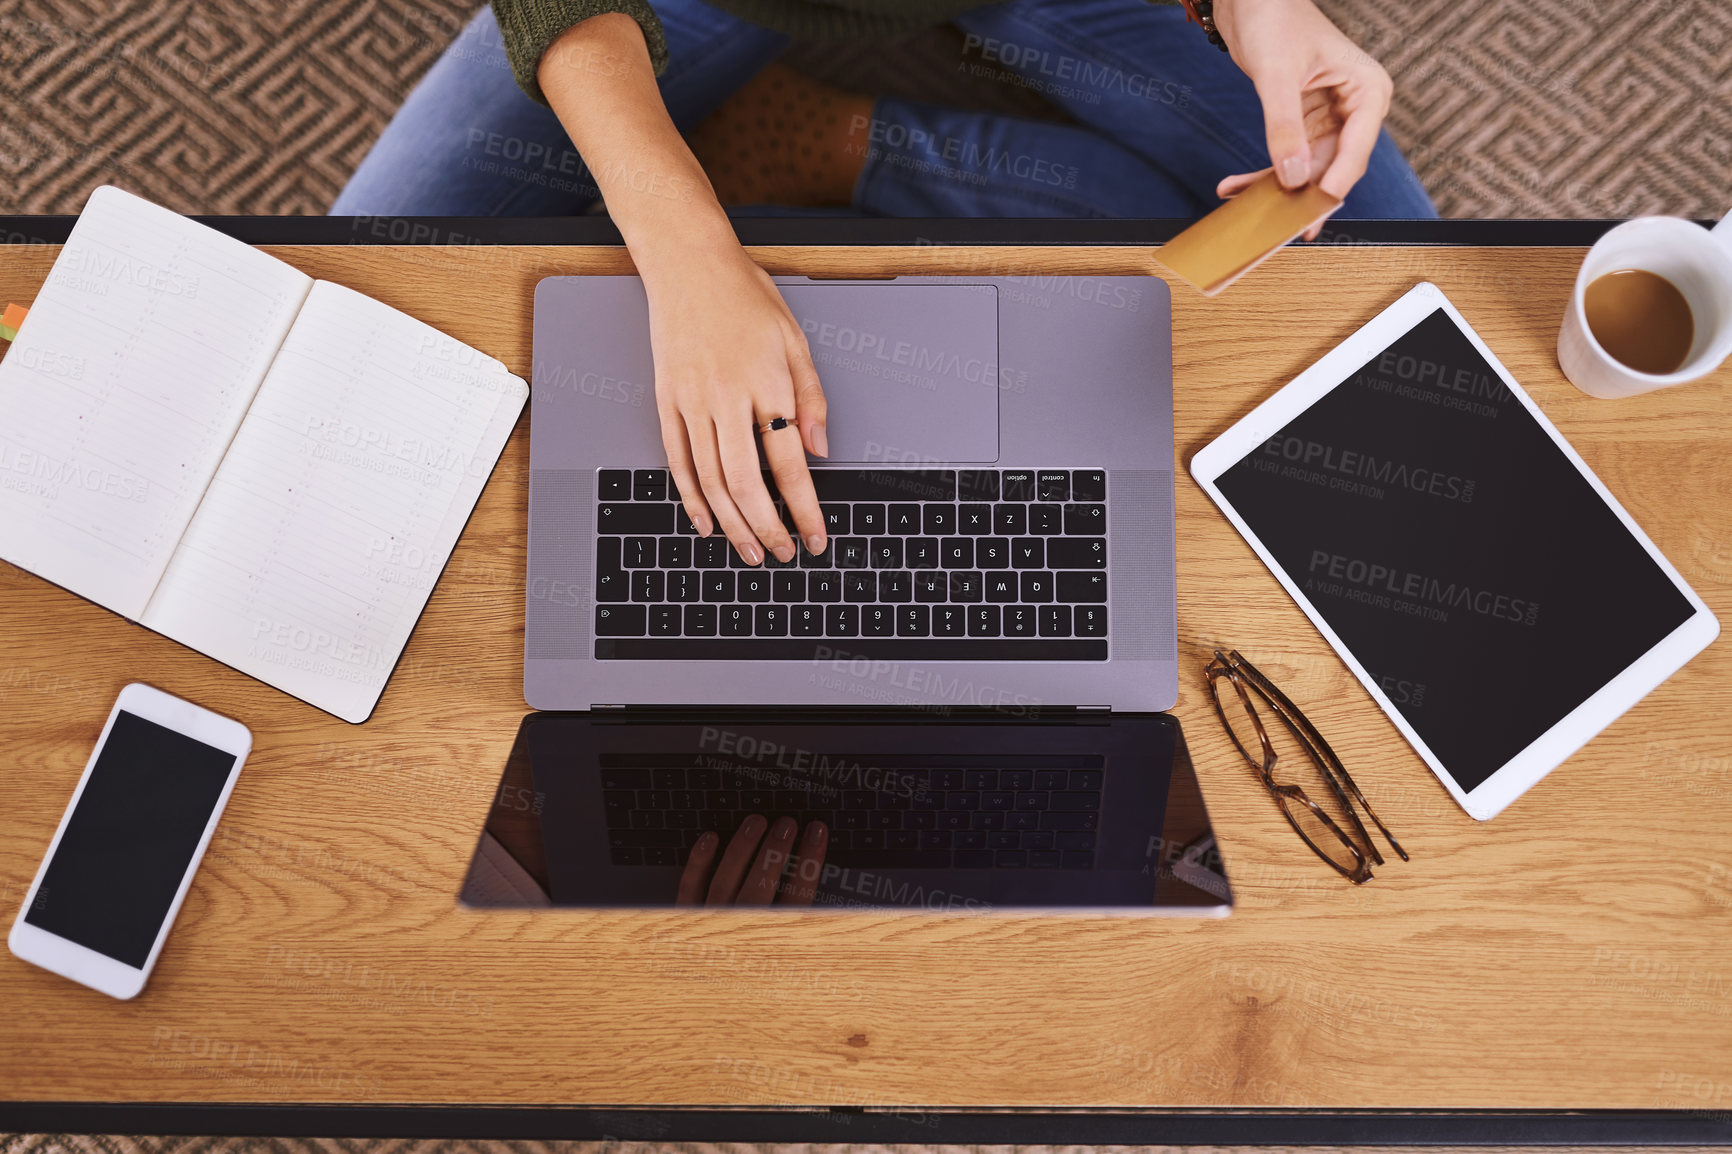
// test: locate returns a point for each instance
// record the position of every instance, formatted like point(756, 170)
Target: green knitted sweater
point(529, 26)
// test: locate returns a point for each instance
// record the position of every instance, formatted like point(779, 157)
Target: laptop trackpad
point(910, 370)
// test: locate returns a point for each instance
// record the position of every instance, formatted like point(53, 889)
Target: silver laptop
point(999, 500)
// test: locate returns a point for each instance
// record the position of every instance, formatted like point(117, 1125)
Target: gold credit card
point(1243, 233)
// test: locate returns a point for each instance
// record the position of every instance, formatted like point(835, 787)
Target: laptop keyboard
point(940, 564)
point(935, 819)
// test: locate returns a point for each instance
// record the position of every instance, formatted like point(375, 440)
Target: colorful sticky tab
point(10, 320)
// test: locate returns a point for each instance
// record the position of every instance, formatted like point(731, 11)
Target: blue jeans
point(1162, 117)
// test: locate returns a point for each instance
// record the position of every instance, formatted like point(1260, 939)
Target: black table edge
point(923, 1125)
point(830, 231)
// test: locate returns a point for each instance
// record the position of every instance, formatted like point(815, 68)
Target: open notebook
point(267, 468)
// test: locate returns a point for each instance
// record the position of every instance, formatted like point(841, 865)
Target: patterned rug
point(1544, 108)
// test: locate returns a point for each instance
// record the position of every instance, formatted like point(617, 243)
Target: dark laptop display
point(1073, 811)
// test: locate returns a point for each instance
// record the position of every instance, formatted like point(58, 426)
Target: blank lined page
point(126, 384)
point(343, 495)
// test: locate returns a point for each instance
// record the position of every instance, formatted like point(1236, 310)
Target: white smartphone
point(131, 838)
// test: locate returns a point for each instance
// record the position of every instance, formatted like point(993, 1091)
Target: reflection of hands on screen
point(752, 875)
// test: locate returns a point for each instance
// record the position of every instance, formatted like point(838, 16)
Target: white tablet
point(1481, 582)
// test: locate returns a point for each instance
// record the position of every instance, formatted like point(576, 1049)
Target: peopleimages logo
point(1367, 467)
point(1391, 587)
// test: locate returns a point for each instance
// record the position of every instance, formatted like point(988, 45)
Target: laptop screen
point(833, 811)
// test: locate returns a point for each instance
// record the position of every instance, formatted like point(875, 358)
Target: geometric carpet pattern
point(1537, 108)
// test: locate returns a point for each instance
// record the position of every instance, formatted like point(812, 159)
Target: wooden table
point(1574, 953)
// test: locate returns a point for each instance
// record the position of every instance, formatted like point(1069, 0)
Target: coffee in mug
point(1641, 319)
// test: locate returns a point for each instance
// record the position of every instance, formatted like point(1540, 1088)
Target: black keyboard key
point(1038, 839)
point(1028, 553)
point(1077, 861)
point(983, 621)
point(884, 485)
point(877, 621)
point(1055, 819)
point(905, 519)
point(1055, 621)
point(806, 621)
point(914, 621)
point(1003, 840)
point(1052, 485)
point(621, 620)
point(788, 588)
point(860, 588)
point(710, 552)
point(639, 552)
point(949, 621)
point(614, 485)
point(753, 585)
point(735, 561)
point(649, 485)
point(664, 621)
point(700, 620)
point(1088, 485)
point(1018, 485)
point(886, 552)
point(902, 839)
point(890, 859)
point(1046, 520)
point(1085, 778)
point(974, 520)
point(718, 586)
point(885, 819)
point(1082, 588)
point(1001, 588)
point(736, 620)
point(1051, 779)
point(1019, 621)
point(1037, 588)
point(967, 587)
point(931, 588)
point(922, 817)
point(613, 777)
point(615, 517)
point(826, 587)
point(649, 585)
point(945, 780)
point(851, 552)
point(1085, 520)
point(683, 523)
point(972, 859)
point(674, 553)
point(1077, 553)
point(970, 839)
point(1075, 839)
point(822, 560)
point(1080, 800)
point(836, 521)
point(1016, 779)
point(895, 587)
point(954, 821)
point(921, 553)
point(1010, 520)
point(977, 484)
point(842, 621)
point(992, 553)
point(685, 586)
point(869, 519)
point(1023, 819)
point(1091, 621)
point(771, 621)
point(611, 582)
point(957, 553)
point(980, 779)
point(938, 520)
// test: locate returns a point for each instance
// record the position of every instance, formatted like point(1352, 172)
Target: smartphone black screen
point(126, 848)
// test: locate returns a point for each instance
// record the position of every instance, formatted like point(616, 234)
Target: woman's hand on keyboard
point(730, 357)
point(752, 876)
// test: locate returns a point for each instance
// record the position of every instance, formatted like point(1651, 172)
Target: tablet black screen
point(1454, 549)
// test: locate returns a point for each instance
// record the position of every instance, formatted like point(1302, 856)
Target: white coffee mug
point(1697, 260)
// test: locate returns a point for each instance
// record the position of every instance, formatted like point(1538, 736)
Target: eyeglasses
point(1238, 710)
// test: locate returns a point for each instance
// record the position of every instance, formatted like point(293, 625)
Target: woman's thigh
point(468, 142)
point(1140, 74)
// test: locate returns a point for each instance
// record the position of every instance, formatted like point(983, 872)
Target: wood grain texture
point(1576, 952)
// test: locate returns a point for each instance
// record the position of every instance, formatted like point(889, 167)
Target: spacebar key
point(894, 859)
